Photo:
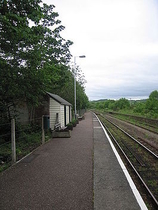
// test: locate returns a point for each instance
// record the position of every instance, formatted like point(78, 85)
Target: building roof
point(59, 99)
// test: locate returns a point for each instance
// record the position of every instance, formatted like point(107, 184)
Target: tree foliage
point(152, 102)
point(148, 107)
point(67, 91)
point(153, 95)
point(122, 104)
point(34, 56)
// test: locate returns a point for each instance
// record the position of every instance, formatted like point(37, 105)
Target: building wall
point(62, 118)
point(70, 110)
point(56, 107)
point(53, 109)
point(67, 115)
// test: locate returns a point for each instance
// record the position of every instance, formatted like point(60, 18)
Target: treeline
point(34, 57)
point(147, 108)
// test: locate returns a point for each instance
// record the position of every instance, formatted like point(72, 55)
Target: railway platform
point(83, 172)
point(113, 186)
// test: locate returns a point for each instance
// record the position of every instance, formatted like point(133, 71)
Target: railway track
point(143, 161)
point(142, 122)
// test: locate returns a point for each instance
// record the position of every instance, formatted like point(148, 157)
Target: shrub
point(70, 126)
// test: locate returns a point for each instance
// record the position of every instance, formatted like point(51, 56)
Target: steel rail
point(139, 176)
point(132, 137)
point(134, 116)
point(136, 156)
point(153, 131)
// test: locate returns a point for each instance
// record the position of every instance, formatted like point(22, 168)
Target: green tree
point(111, 104)
point(33, 55)
point(153, 95)
point(152, 103)
point(82, 99)
point(67, 91)
point(139, 107)
point(14, 38)
point(122, 104)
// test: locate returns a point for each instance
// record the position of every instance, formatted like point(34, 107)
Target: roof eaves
point(59, 99)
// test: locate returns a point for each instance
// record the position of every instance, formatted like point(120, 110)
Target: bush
point(70, 126)
point(75, 122)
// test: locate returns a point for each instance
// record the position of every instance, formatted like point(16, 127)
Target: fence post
point(43, 134)
point(13, 141)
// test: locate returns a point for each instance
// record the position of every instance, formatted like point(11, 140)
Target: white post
point(13, 141)
point(75, 84)
point(43, 134)
point(81, 56)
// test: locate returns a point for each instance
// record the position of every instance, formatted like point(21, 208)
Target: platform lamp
point(81, 56)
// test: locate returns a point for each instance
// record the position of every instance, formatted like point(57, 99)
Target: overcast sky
point(120, 41)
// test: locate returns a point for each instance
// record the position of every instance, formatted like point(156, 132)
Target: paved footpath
point(57, 176)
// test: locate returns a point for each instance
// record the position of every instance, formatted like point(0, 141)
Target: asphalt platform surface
point(111, 188)
point(77, 173)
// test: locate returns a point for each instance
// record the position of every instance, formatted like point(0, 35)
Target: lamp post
point(81, 56)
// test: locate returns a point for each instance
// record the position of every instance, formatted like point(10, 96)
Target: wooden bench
point(81, 117)
point(57, 126)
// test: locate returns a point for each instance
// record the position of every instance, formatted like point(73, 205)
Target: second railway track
point(143, 160)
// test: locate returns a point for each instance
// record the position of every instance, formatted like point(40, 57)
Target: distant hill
point(139, 100)
point(100, 100)
point(133, 101)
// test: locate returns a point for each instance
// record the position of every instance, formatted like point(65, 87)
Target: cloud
point(133, 78)
point(120, 41)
